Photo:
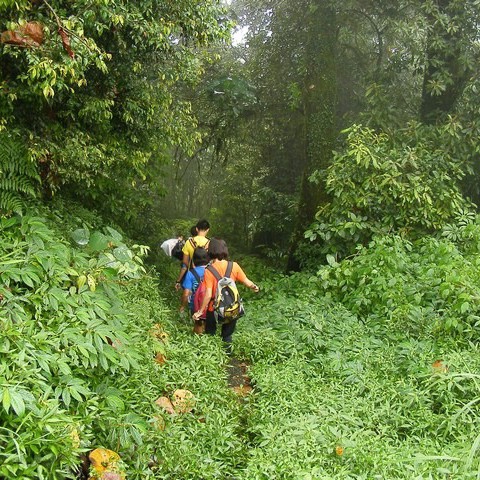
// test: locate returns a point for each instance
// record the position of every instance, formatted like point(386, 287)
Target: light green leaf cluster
point(406, 183)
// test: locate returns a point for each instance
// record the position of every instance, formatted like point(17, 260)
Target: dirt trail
point(238, 380)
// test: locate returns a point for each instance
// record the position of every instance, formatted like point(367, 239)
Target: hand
point(196, 316)
point(178, 286)
point(255, 288)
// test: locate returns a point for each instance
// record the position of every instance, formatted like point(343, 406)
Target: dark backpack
point(198, 294)
point(194, 245)
point(227, 303)
point(177, 250)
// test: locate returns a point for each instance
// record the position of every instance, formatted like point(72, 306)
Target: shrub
point(380, 184)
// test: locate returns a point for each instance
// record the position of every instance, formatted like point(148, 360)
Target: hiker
point(199, 240)
point(194, 288)
point(218, 253)
point(168, 246)
point(193, 278)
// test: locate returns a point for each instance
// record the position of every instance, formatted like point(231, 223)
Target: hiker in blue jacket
point(193, 277)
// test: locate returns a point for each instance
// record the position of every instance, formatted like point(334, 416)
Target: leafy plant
point(379, 184)
point(18, 174)
point(62, 337)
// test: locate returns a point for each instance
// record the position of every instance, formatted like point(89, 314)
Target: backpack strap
point(228, 272)
point(214, 271)
point(196, 275)
point(193, 242)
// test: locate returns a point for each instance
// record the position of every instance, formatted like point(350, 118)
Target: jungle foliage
point(365, 368)
point(341, 137)
point(67, 344)
point(408, 182)
point(91, 87)
point(399, 68)
point(77, 357)
point(368, 370)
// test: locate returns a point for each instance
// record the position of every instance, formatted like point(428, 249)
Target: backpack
point(199, 294)
point(227, 303)
point(177, 250)
point(194, 245)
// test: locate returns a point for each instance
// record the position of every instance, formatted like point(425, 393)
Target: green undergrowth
point(77, 360)
point(366, 369)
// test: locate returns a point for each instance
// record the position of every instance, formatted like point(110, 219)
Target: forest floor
point(238, 379)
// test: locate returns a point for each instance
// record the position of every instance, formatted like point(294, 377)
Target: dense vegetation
point(336, 142)
point(366, 368)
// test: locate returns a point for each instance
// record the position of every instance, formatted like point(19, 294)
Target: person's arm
point(248, 283)
point(241, 277)
point(187, 289)
point(183, 270)
point(203, 306)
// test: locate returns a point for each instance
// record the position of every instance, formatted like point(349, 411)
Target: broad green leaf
point(115, 402)
point(122, 253)
point(331, 260)
point(116, 236)
point(98, 242)
point(17, 402)
point(66, 396)
point(6, 399)
point(81, 236)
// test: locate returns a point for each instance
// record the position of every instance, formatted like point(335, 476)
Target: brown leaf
point(166, 404)
point(160, 358)
point(28, 35)
point(183, 401)
point(34, 30)
point(13, 37)
point(439, 366)
point(242, 390)
point(66, 42)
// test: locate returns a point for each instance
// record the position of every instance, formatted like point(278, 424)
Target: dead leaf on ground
point(183, 401)
point(166, 404)
point(105, 465)
point(439, 366)
point(242, 390)
point(157, 332)
point(160, 358)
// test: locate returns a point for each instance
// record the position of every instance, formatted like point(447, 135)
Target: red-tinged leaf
point(66, 42)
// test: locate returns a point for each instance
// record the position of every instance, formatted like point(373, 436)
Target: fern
point(10, 202)
point(18, 174)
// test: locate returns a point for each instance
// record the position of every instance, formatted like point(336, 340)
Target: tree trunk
point(319, 106)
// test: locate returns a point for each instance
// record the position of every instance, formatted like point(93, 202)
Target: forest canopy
point(136, 108)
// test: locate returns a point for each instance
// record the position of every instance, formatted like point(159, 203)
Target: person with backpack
point(173, 247)
point(221, 296)
point(199, 240)
point(193, 290)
